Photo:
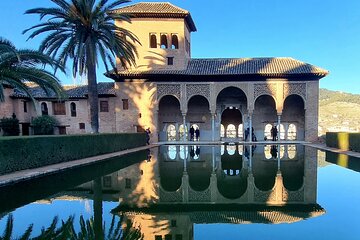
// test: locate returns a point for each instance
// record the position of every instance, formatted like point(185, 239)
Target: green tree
point(44, 125)
point(83, 30)
point(19, 66)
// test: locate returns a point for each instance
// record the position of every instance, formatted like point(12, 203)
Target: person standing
point(192, 131)
point(274, 133)
point(197, 134)
point(148, 132)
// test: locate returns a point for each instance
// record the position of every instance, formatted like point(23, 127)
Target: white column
point(278, 123)
point(185, 130)
point(278, 157)
point(250, 127)
point(213, 126)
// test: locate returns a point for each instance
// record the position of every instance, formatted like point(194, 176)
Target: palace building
point(170, 92)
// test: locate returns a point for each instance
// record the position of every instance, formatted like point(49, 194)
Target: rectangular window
point(173, 223)
point(127, 183)
point(104, 106)
point(62, 130)
point(158, 237)
point(168, 237)
point(25, 106)
point(107, 181)
point(125, 104)
point(59, 108)
point(81, 125)
point(170, 61)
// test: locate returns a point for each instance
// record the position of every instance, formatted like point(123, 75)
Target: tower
point(164, 32)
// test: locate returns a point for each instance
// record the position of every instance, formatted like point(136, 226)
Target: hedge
point(343, 140)
point(19, 153)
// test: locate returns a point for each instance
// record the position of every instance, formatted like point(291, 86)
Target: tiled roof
point(104, 88)
point(152, 7)
point(238, 66)
point(157, 9)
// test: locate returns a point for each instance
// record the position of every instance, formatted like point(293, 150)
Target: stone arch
point(294, 113)
point(169, 113)
point(243, 88)
point(232, 180)
point(199, 175)
point(198, 112)
point(264, 113)
point(170, 169)
point(231, 105)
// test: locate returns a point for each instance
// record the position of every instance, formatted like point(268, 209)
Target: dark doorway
point(25, 129)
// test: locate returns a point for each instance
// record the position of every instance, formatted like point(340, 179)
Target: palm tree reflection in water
point(118, 230)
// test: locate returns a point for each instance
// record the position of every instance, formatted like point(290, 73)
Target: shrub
point(10, 126)
point(44, 125)
point(19, 153)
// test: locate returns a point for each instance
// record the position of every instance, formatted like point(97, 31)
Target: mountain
point(338, 111)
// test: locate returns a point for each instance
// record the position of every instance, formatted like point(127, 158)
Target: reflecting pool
point(197, 192)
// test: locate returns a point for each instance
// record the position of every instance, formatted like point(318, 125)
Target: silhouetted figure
point(197, 151)
point(253, 137)
point(148, 159)
point(197, 134)
point(192, 131)
point(273, 151)
point(148, 132)
point(247, 132)
point(192, 152)
point(274, 133)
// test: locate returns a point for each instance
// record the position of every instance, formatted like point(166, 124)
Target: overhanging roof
point(230, 68)
point(157, 10)
point(230, 213)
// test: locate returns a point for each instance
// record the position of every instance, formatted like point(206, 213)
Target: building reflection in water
point(183, 185)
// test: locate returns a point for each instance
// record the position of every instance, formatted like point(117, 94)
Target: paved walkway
point(335, 150)
point(28, 174)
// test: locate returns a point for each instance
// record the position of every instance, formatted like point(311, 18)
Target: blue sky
point(323, 33)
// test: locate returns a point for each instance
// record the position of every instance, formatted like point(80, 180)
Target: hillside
point(338, 111)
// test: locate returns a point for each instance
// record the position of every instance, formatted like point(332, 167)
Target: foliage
point(10, 126)
point(67, 230)
point(343, 140)
point(17, 67)
point(83, 30)
point(44, 125)
point(19, 153)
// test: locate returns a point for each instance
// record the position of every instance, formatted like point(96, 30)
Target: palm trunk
point(93, 94)
point(98, 210)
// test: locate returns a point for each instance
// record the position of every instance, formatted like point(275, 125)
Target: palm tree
point(82, 30)
point(17, 67)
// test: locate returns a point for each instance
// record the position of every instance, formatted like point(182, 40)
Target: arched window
point(267, 151)
point(73, 109)
point(240, 131)
point(171, 132)
point(174, 42)
point(183, 152)
point(282, 132)
point(267, 131)
point(44, 109)
point(183, 131)
point(291, 151)
point(163, 41)
point(153, 42)
point(222, 131)
point(282, 151)
point(172, 152)
point(241, 149)
point(291, 133)
point(231, 131)
point(231, 149)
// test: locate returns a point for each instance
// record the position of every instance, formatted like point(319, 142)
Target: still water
point(198, 192)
